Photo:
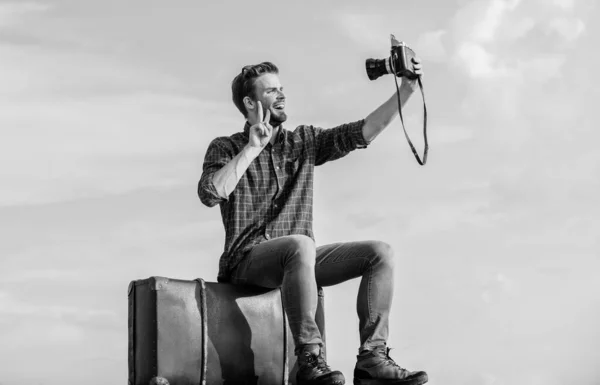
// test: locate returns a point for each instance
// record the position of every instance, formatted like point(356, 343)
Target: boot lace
point(390, 361)
point(317, 362)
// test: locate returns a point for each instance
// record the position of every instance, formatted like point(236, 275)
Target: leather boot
point(313, 370)
point(376, 367)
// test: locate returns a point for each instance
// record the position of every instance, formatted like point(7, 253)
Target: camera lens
point(376, 68)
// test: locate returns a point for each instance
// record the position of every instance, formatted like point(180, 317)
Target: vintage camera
point(399, 62)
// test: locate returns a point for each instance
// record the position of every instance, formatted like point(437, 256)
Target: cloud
point(12, 13)
point(480, 21)
point(81, 124)
point(481, 31)
point(515, 70)
point(32, 335)
point(490, 379)
point(431, 46)
point(10, 306)
point(497, 286)
point(444, 134)
point(568, 29)
point(486, 27)
point(43, 274)
point(474, 28)
point(478, 62)
point(541, 68)
point(368, 30)
point(564, 4)
point(518, 28)
point(440, 217)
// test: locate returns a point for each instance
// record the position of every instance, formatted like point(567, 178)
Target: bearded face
point(269, 93)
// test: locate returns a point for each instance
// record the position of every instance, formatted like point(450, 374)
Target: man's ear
point(249, 103)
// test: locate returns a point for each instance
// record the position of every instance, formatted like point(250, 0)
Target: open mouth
point(279, 106)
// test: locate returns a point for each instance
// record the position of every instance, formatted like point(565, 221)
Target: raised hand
point(260, 129)
point(417, 66)
point(411, 84)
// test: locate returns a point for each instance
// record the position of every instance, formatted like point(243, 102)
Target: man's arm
point(222, 173)
point(260, 134)
point(379, 119)
point(228, 176)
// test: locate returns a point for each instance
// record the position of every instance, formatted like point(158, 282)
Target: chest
point(277, 167)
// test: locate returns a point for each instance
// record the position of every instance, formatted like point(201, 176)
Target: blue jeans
point(296, 265)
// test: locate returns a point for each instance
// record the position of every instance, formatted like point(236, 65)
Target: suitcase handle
point(202, 288)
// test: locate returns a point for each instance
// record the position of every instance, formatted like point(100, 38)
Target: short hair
point(243, 84)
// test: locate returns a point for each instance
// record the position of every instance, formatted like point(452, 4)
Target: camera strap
point(422, 163)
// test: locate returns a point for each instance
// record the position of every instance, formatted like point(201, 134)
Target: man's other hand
point(260, 129)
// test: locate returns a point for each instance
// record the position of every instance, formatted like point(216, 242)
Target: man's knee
point(383, 253)
point(301, 250)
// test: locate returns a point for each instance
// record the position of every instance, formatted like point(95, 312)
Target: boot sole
point(417, 380)
point(335, 378)
point(325, 382)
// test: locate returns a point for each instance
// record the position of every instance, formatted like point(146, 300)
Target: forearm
point(226, 179)
point(379, 119)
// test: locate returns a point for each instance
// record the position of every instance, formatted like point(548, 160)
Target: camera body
point(399, 63)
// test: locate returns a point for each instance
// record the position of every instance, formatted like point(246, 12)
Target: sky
point(107, 108)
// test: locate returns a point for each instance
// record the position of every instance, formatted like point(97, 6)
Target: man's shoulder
point(235, 137)
point(231, 141)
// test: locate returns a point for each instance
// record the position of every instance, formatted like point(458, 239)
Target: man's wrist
point(408, 86)
point(251, 152)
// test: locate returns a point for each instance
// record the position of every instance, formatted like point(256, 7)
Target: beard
point(277, 119)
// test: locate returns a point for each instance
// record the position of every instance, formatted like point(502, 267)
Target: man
point(262, 178)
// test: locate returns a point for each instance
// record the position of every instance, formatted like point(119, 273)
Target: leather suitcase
point(197, 332)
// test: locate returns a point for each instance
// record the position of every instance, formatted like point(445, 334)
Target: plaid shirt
point(274, 197)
